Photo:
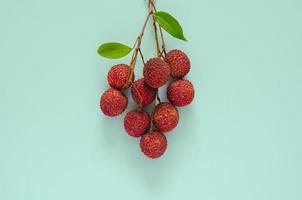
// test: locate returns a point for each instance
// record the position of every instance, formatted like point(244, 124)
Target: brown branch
point(139, 41)
point(162, 40)
point(151, 9)
point(151, 2)
point(156, 38)
point(154, 105)
point(137, 45)
point(141, 54)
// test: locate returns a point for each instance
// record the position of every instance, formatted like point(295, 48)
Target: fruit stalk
point(152, 9)
point(163, 51)
point(137, 45)
point(138, 41)
point(158, 52)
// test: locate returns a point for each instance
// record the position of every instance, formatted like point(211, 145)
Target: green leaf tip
point(114, 50)
point(169, 24)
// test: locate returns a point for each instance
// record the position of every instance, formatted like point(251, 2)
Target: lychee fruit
point(119, 76)
point(156, 72)
point(153, 144)
point(137, 122)
point(165, 117)
point(113, 102)
point(180, 92)
point(179, 63)
point(142, 94)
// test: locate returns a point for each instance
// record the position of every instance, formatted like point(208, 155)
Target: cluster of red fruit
point(165, 117)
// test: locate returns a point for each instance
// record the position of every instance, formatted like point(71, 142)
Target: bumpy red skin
point(179, 63)
point(165, 117)
point(142, 94)
point(180, 92)
point(156, 72)
point(137, 123)
point(153, 144)
point(119, 75)
point(113, 102)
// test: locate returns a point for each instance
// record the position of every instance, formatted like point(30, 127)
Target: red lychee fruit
point(180, 92)
point(113, 102)
point(153, 144)
point(119, 76)
point(136, 122)
point(179, 63)
point(165, 117)
point(156, 72)
point(142, 94)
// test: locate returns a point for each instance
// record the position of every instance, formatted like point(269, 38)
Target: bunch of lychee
point(138, 122)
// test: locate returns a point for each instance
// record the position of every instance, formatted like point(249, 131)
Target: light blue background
point(241, 139)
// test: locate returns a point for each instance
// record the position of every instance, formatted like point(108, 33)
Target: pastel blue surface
point(239, 140)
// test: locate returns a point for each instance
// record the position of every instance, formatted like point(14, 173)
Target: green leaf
point(114, 50)
point(169, 24)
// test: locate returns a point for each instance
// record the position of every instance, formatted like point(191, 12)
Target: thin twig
point(151, 9)
point(154, 105)
point(160, 30)
point(162, 40)
point(156, 38)
point(137, 45)
point(141, 54)
point(139, 41)
point(158, 99)
point(140, 106)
